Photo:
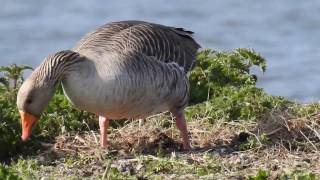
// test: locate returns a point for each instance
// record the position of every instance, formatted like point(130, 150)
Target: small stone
point(307, 161)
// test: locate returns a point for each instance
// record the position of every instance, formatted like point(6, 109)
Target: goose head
point(37, 90)
point(33, 96)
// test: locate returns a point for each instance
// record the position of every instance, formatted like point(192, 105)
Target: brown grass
point(279, 143)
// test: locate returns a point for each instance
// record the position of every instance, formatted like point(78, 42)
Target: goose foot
point(182, 126)
point(103, 124)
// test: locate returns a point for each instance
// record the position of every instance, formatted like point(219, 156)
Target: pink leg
point(104, 124)
point(182, 126)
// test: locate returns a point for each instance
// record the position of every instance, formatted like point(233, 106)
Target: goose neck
point(56, 66)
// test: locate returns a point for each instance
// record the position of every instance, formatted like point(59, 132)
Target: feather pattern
point(128, 85)
point(167, 44)
point(128, 69)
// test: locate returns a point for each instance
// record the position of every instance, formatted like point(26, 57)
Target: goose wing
point(166, 44)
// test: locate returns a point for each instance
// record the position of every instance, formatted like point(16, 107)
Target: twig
point(315, 131)
point(274, 131)
point(156, 115)
point(106, 170)
point(80, 139)
point(314, 146)
point(153, 157)
point(92, 132)
point(285, 123)
point(68, 150)
point(95, 137)
point(199, 131)
point(46, 144)
point(76, 146)
point(257, 138)
point(86, 125)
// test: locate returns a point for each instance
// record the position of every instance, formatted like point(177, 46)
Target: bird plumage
point(166, 44)
point(127, 69)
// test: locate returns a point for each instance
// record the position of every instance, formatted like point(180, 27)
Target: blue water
point(286, 33)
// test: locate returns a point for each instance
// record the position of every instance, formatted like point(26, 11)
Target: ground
point(273, 148)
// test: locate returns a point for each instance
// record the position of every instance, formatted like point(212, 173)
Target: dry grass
point(279, 143)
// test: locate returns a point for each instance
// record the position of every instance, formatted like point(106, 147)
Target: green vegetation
point(261, 175)
point(224, 83)
point(217, 70)
point(237, 130)
point(60, 117)
point(9, 117)
point(13, 77)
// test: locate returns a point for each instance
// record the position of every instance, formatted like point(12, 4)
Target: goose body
point(127, 69)
point(130, 89)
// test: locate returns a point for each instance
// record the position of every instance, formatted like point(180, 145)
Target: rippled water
point(286, 33)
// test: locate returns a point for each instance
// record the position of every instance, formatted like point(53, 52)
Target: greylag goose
point(127, 69)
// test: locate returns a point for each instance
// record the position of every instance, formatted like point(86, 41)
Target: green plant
point(60, 117)
point(13, 73)
point(233, 103)
point(222, 86)
point(253, 142)
point(299, 174)
point(4, 83)
point(6, 174)
point(25, 168)
point(305, 110)
point(215, 70)
point(261, 175)
point(9, 128)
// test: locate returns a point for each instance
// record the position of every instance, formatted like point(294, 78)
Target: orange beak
point(27, 121)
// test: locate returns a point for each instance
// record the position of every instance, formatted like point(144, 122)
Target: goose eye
point(29, 101)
